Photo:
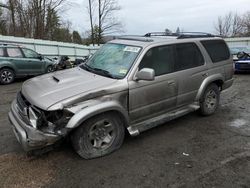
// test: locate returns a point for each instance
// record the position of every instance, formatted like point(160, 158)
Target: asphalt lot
point(192, 151)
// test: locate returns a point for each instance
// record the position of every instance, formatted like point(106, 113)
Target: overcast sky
point(142, 16)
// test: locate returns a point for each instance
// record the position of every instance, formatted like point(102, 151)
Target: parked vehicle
point(243, 62)
point(84, 59)
point(63, 63)
point(236, 50)
point(16, 61)
point(131, 83)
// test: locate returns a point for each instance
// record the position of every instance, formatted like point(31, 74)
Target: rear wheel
point(99, 136)
point(7, 76)
point(210, 100)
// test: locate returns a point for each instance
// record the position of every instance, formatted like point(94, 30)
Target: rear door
point(191, 70)
point(151, 98)
point(16, 57)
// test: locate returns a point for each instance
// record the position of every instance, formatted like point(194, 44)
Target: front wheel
point(210, 100)
point(49, 69)
point(7, 76)
point(99, 136)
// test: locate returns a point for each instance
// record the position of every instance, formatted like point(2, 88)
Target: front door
point(151, 98)
point(35, 64)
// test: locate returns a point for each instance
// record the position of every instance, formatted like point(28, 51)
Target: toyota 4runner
point(130, 84)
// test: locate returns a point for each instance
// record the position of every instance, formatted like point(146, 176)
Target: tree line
point(233, 25)
point(41, 19)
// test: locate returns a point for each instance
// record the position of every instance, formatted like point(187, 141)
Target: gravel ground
point(192, 151)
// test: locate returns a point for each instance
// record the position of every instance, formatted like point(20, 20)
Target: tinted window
point(1, 52)
point(217, 50)
point(30, 53)
point(161, 59)
point(188, 56)
point(14, 52)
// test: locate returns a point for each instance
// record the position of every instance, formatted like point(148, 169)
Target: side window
point(29, 53)
point(1, 52)
point(161, 59)
point(188, 56)
point(217, 50)
point(14, 52)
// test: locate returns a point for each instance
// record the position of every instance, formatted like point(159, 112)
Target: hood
point(44, 91)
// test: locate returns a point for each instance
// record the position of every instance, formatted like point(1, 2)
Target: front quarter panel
point(83, 111)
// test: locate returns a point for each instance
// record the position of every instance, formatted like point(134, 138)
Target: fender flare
point(206, 82)
point(6, 64)
point(91, 111)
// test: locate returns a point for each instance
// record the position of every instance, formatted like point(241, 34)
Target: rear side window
point(1, 52)
point(188, 56)
point(161, 59)
point(14, 52)
point(217, 50)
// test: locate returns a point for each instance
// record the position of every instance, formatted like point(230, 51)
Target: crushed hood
point(46, 90)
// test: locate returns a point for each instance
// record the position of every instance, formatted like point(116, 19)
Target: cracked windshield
point(113, 60)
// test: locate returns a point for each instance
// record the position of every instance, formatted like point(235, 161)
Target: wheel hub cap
point(101, 134)
point(211, 99)
point(6, 76)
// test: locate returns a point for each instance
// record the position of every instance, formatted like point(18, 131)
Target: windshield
point(112, 60)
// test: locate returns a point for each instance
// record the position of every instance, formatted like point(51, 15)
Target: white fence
point(51, 48)
point(238, 42)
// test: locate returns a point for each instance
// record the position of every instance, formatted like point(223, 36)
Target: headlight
point(33, 117)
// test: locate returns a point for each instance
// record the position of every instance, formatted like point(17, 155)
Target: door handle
point(171, 82)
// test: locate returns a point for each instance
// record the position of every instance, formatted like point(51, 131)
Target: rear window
point(217, 50)
point(188, 56)
point(14, 52)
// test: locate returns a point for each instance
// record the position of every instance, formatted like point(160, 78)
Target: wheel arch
point(8, 67)
point(216, 79)
point(92, 111)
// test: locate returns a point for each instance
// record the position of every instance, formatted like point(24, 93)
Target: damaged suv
point(130, 84)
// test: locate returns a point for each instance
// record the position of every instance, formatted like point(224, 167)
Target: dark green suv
point(16, 61)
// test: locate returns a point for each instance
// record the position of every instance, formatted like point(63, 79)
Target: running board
point(136, 129)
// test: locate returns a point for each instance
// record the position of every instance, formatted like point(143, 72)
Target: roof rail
point(135, 38)
point(180, 35)
point(9, 44)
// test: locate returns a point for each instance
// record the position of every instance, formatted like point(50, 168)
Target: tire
point(98, 136)
point(7, 76)
point(210, 100)
point(49, 69)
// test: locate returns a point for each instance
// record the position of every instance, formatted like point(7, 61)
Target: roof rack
point(135, 38)
point(180, 35)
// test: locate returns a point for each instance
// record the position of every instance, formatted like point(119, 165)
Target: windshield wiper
point(104, 72)
point(97, 70)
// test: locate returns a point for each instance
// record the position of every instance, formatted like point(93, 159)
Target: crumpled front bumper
point(29, 137)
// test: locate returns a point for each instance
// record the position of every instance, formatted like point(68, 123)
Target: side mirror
point(145, 74)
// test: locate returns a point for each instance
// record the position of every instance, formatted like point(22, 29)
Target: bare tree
point(229, 25)
point(91, 20)
point(106, 22)
point(246, 24)
point(33, 18)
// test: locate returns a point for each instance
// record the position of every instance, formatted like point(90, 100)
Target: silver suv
point(130, 84)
